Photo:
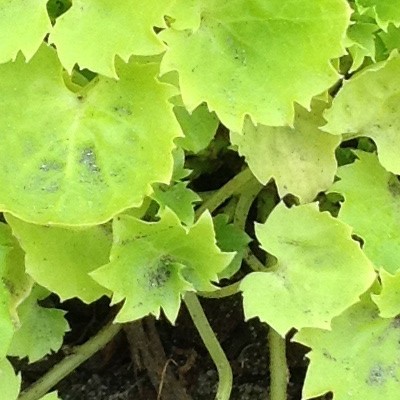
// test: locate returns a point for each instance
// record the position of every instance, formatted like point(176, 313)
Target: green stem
point(225, 291)
point(253, 262)
point(278, 366)
point(226, 191)
point(214, 348)
point(70, 363)
point(249, 193)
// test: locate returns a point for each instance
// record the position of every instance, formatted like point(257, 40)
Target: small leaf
point(357, 359)
point(41, 329)
point(391, 38)
point(361, 42)
point(178, 198)
point(230, 238)
point(321, 271)
point(371, 207)
point(386, 11)
point(60, 259)
point(199, 127)
point(300, 159)
point(154, 263)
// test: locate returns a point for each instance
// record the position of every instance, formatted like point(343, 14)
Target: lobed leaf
point(230, 238)
point(371, 207)
point(10, 382)
point(60, 259)
point(357, 359)
point(93, 32)
point(391, 38)
point(367, 105)
point(386, 11)
point(300, 159)
point(265, 55)
point(81, 158)
point(178, 198)
point(15, 286)
point(320, 270)
point(41, 329)
point(153, 264)
point(361, 42)
point(15, 17)
point(388, 300)
point(199, 127)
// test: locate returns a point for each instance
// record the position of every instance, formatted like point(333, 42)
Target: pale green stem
point(225, 291)
point(214, 348)
point(247, 196)
point(278, 369)
point(70, 363)
point(226, 191)
point(253, 262)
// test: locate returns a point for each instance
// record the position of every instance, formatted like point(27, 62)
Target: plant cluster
point(111, 111)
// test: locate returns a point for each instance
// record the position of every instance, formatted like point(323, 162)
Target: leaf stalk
point(214, 348)
point(70, 363)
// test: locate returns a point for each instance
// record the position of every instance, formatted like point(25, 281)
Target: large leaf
point(92, 32)
point(80, 158)
point(41, 329)
point(358, 359)
point(371, 207)
point(23, 26)
point(300, 159)
point(321, 271)
point(264, 56)
point(60, 259)
point(367, 105)
point(153, 264)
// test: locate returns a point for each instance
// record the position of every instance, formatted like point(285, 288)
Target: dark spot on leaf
point(50, 165)
point(377, 376)
point(122, 111)
point(88, 159)
point(159, 276)
point(52, 187)
point(327, 355)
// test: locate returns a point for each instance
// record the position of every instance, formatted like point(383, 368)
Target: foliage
point(126, 128)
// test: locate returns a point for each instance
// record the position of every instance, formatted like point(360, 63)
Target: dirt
point(152, 360)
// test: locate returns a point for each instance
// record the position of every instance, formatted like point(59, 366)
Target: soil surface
point(152, 360)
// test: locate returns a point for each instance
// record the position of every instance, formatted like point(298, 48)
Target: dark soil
point(152, 360)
